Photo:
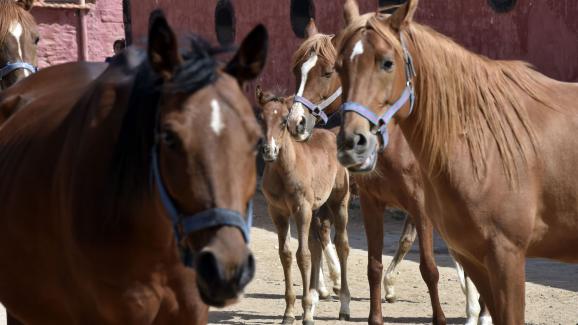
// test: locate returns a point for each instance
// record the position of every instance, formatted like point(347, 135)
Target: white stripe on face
point(216, 119)
point(305, 68)
point(273, 144)
point(357, 50)
point(16, 32)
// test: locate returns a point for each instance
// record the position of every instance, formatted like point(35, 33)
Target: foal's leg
point(282, 225)
point(372, 211)
point(340, 219)
point(303, 221)
point(506, 270)
point(472, 296)
point(329, 249)
point(315, 247)
point(405, 242)
point(427, 265)
point(485, 317)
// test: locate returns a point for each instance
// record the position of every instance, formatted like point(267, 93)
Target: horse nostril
point(247, 272)
point(301, 125)
point(360, 141)
point(208, 268)
point(265, 149)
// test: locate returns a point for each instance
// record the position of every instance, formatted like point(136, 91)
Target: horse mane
point(10, 11)
point(318, 43)
point(132, 153)
point(469, 96)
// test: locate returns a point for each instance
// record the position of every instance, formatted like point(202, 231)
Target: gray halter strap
point(317, 110)
point(13, 66)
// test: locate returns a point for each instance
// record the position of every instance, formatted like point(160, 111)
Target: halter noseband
point(183, 224)
point(380, 122)
point(13, 66)
point(317, 109)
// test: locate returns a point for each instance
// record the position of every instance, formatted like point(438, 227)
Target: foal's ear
point(163, 48)
point(404, 15)
point(259, 96)
point(26, 4)
point(311, 28)
point(350, 11)
point(249, 61)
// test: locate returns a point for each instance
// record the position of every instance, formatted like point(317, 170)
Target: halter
point(317, 109)
point(13, 66)
point(183, 224)
point(380, 122)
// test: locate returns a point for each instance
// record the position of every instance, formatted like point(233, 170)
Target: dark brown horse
point(104, 170)
point(494, 139)
point(18, 41)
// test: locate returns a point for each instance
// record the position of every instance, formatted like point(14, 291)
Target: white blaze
point(273, 144)
point(16, 32)
point(305, 69)
point(216, 119)
point(357, 50)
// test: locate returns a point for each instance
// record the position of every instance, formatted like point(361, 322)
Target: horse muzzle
point(357, 152)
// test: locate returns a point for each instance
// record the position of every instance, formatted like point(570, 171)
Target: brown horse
point(314, 68)
point(494, 140)
point(18, 41)
point(300, 180)
point(102, 173)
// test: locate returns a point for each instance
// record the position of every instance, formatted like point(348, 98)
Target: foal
point(302, 179)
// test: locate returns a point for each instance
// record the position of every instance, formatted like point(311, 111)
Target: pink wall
point(59, 32)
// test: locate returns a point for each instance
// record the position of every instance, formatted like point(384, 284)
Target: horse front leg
point(341, 218)
point(405, 242)
point(329, 252)
point(469, 289)
point(303, 221)
point(372, 211)
point(285, 255)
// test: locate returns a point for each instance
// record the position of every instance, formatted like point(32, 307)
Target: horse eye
point(387, 65)
point(328, 74)
point(170, 139)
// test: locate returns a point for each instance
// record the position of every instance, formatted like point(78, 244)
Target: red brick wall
point(59, 32)
point(543, 32)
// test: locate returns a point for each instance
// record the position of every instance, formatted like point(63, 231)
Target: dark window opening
point(225, 22)
point(389, 6)
point(301, 12)
point(502, 5)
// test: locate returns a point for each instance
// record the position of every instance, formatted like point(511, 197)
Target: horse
point(112, 181)
point(300, 180)
point(492, 138)
point(18, 42)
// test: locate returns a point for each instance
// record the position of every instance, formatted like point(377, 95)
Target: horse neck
point(287, 159)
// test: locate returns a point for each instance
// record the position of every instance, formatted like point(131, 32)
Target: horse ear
point(26, 4)
point(404, 15)
point(259, 95)
point(162, 45)
point(250, 59)
point(311, 28)
point(350, 11)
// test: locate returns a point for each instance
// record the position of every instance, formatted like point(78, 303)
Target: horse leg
point(11, 320)
point(469, 289)
point(341, 217)
point(405, 242)
point(282, 225)
point(427, 265)
point(329, 249)
point(372, 211)
point(303, 221)
point(315, 248)
point(506, 269)
point(485, 317)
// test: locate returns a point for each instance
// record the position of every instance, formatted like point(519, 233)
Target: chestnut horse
point(302, 180)
point(494, 140)
point(107, 174)
point(18, 41)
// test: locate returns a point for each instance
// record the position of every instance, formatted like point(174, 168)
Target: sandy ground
point(551, 290)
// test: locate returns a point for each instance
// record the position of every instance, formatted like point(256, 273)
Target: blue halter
point(317, 110)
point(183, 225)
point(380, 122)
point(13, 66)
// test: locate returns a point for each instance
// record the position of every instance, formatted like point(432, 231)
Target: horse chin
point(366, 166)
point(213, 302)
point(269, 158)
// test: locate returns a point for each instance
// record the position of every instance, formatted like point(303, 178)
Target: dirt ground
point(551, 290)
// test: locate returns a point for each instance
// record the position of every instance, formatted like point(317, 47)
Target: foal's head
point(18, 41)
point(207, 142)
point(272, 113)
point(313, 67)
point(372, 66)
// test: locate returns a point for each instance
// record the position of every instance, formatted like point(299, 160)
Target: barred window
point(301, 12)
point(225, 22)
point(502, 5)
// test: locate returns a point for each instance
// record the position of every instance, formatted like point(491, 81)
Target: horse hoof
point(391, 299)
point(288, 320)
point(336, 290)
point(308, 322)
point(344, 317)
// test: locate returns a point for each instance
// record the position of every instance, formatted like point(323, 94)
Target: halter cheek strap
point(183, 225)
point(379, 122)
point(317, 110)
point(11, 67)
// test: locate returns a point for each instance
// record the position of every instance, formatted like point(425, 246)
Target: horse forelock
point(319, 44)
point(460, 94)
point(11, 13)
